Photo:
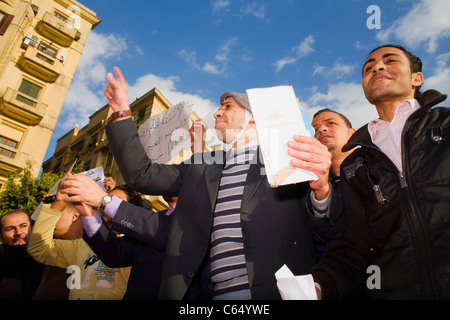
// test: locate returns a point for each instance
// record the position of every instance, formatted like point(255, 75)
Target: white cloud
point(83, 97)
point(86, 91)
point(297, 52)
point(190, 58)
point(220, 5)
point(440, 79)
point(346, 98)
point(167, 86)
point(338, 70)
point(253, 9)
point(428, 21)
point(222, 58)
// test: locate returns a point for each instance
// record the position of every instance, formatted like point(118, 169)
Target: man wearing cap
point(230, 231)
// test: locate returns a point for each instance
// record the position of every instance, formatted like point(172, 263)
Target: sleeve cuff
point(112, 207)
point(91, 224)
point(320, 207)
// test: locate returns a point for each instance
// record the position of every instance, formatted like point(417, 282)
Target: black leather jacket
point(398, 222)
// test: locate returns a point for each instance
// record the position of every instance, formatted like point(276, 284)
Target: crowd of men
point(382, 199)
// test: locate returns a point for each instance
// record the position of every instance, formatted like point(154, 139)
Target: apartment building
point(41, 42)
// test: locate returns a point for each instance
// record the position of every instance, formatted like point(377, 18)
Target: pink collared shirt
point(388, 135)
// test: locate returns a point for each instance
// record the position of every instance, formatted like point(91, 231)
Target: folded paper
point(295, 287)
point(278, 118)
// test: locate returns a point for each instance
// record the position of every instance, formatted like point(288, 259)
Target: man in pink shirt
point(396, 191)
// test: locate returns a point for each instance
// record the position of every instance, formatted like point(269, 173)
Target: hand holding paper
point(290, 153)
point(309, 154)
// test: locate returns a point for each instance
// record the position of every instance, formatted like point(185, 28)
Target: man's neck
point(386, 109)
point(249, 136)
point(245, 140)
point(336, 160)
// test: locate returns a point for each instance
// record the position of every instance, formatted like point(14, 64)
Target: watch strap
point(121, 114)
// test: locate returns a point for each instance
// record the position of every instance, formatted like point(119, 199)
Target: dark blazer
point(275, 223)
point(143, 251)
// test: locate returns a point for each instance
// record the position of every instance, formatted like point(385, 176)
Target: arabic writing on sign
point(166, 135)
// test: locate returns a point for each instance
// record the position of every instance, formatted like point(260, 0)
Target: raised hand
point(116, 91)
point(82, 189)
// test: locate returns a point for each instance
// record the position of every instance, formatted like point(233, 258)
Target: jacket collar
point(427, 100)
point(255, 176)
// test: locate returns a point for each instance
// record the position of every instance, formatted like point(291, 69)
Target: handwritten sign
point(278, 117)
point(166, 135)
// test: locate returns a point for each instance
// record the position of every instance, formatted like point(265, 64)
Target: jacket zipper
point(379, 195)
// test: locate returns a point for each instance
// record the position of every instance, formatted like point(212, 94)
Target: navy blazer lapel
point(256, 174)
point(213, 173)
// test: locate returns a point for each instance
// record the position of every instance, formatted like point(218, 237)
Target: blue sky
point(196, 50)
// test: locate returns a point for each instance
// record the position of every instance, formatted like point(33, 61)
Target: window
point(63, 18)
point(30, 89)
point(141, 115)
point(5, 21)
point(8, 142)
point(52, 52)
point(93, 140)
point(7, 153)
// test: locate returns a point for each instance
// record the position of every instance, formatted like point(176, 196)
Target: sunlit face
point(16, 229)
point(229, 119)
point(331, 130)
point(387, 75)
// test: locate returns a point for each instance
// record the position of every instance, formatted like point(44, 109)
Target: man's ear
point(417, 79)
point(75, 216)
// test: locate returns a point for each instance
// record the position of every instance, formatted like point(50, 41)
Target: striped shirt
point(228, 265)
point(388, 135)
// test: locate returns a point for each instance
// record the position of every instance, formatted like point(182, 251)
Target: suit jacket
point(144, 252)
point(275, 224)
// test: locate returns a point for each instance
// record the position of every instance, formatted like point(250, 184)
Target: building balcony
point(61, 32)
point(40, 65)
point(9, 165)
point(22, 107)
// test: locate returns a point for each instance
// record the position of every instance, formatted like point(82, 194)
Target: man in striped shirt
point(230, 231)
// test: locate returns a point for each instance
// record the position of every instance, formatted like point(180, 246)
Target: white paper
point(295, 287)
point(278, 118)
point(165, 135)
point(96, 174)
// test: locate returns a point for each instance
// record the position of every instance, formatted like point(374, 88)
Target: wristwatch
point(121, 114)
point(105, 201)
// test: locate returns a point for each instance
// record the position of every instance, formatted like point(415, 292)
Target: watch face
point(106, 199)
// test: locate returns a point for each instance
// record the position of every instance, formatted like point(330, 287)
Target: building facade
point(41, 42)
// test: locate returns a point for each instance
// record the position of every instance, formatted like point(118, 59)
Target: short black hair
point(134, 196)
point(346, 120)
point(414, 61)
point(13, 212)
